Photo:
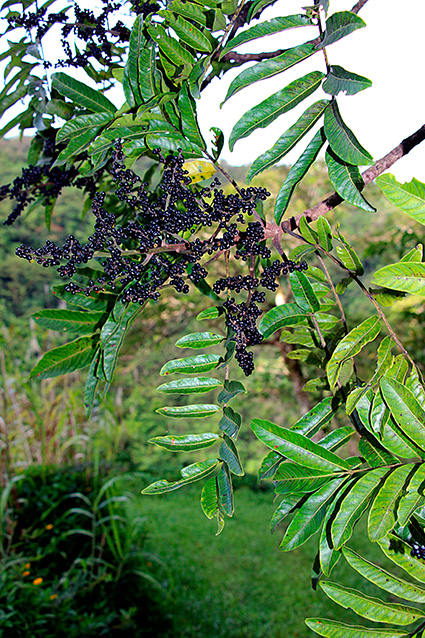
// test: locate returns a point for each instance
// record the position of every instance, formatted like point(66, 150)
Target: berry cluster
point(41, 181)
point(153, 245)
point(96, 34)
point(418, 551)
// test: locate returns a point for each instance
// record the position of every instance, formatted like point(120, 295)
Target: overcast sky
point(389, 51)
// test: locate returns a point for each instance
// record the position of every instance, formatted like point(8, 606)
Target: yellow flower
point(49, 526)
point(53, 597)
point(26, 573)
point(37, 581)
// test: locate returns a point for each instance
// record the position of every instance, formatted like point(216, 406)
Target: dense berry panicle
point(155, 245)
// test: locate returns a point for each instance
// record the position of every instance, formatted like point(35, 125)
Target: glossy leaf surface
point(197, 385)
point(185, 443)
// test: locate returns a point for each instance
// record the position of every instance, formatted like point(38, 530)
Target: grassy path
point(238, 585)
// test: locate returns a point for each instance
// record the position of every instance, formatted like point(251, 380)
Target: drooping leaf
point(113, 335)
point(296, 447)
point(351, 345)
point(190, 474)
point(209, 498)
point(406, 276)
point(384, 579)
point(197, 340)
point(338, 26)
point(185, 443)
point(405, 408)
point(267, 111)
point(328, 555)
point(265, 28)
point(342, 140)
point(225, 490)
point(269, 465)
point(288, 140)
point(354, 505)
point(230, 390)
point(81, 94)
point(409, 197)
point(309, 517)
point(288, 314)
point(338, 79)
point(230, 455)
point(64, 359)
point(69, 320)
point(334, 629)
point(194, 411)
point(230, 422)
point(324, 233)
point(382, 516)
point(284, 508)
point(371, 608)
point(196, 385)
point(268, 68)
point(347, 181)
point(132, 69)
point(190, 365)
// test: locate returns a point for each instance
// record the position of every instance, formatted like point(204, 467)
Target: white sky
point(389, 51)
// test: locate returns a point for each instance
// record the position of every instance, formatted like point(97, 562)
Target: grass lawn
point(240, 585)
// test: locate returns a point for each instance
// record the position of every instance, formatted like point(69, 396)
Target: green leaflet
point(190, 365)
point(399, 552)
point(296, 174)
point(113, 335)
point(69, 320)
point(194, 411)
point(384, 579)
point(199, 340)
point(132, 70)
point(328, 556)
point(347, 181)
point(371, 608)
point(209, 498)
point(334, 629)
point(210, 313)
point(173, 142)
point(189, 10)
point(324, 233)
point(230, 390)
point(265, 28)
point(83, 124)
point(342, 140)
point(316, 418)
point(230, 455)
point(409, 197)
point(284, 508)
point(407, 276)
point(230, 422)
point(382, 513)
point(288, 140)
point(197, 385)
point(267, 111)
point(351, 345)
point(414, 498)
point(296, 447)
point(190, 474)
point(338, 79)
point(416, 254)
point(76, 146)
point(225, 491)
point(303, 292)
point(288, 314)
point(269, 465)
point(374, 453)
point(189, 34)
point(268, 68)
point(337, 438)
point(405, 408)
point(186, 443)
point(72, 356)
point(309, 517)
point(338, 26)
point(291, 477)
point(169, 46)
point(81, 94)
point(354, 505)
point(88, 302)
point(189, 120)
point(256, 7)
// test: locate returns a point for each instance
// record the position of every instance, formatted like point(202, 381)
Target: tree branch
point(369, 175)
